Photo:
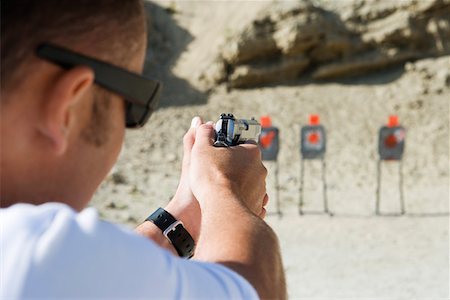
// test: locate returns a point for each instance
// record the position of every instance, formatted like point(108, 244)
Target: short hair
point(106, 29)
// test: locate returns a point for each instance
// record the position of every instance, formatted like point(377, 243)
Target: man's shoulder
point(25, 221)
point(36, 221)
point(52, 250)
point(46, 247)
point(56, 225)
point(23, 212)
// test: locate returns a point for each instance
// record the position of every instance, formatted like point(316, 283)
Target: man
point(66, 95)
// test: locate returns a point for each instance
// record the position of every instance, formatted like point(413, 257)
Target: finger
point(249, 145)
point(251, 142)
point(196, 121)
point(204, 135)
point(189, 137)
point(188, 141)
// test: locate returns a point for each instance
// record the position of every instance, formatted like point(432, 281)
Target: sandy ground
point(354, 254)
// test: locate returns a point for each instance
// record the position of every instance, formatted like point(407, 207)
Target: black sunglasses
point(141, 94)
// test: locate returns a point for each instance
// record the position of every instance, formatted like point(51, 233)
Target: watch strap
point(174, 231)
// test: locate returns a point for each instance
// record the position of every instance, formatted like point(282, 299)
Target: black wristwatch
point(174, 231)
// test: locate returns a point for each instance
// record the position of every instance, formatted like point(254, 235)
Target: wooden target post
point(269, 143)
point(313, 147)
point(391, 145)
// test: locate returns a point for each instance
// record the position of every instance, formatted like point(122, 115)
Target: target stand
point(313, 147)
point(269, 142)
point(391, 145)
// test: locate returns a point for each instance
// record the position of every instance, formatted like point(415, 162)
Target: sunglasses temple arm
point(135, 88)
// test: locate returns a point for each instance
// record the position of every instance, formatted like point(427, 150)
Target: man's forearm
point(188, 214)
point(152, 232)
point(233, 236)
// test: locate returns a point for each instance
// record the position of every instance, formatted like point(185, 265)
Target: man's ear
point(68, 89)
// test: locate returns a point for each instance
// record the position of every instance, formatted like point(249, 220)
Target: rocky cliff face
point(347, 38)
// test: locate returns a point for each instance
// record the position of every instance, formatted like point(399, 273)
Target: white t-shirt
point(51, 251)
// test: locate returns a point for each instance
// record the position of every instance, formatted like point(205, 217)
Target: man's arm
point(183, 206)
point(232, 233)
point(246, 245)
point(177, 207)
point(229, 184)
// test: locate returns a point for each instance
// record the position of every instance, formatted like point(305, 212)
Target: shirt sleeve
point(79, 256)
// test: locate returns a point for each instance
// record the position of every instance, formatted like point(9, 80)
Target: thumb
point(205, 135)
point(189, 137)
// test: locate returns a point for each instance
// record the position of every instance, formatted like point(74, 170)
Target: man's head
point(61, 133)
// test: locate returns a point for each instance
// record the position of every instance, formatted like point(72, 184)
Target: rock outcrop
point(327, 42)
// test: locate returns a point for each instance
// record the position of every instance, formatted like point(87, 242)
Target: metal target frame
point(324, 187)
point(400, 187)
point(390, 153)
point(277, 189)
point(313, 154)
point(271, 155)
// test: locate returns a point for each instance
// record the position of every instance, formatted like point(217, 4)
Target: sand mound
point(351, 38)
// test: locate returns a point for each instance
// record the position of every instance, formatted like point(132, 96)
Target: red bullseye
point(313, 138)
point(267, 139)
point(390, 141)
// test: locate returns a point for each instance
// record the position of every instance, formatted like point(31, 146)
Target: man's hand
point(183, 206)
point(218, 173)
point(229, 184)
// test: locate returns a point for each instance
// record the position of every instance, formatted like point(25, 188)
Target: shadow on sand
point(166, 42)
